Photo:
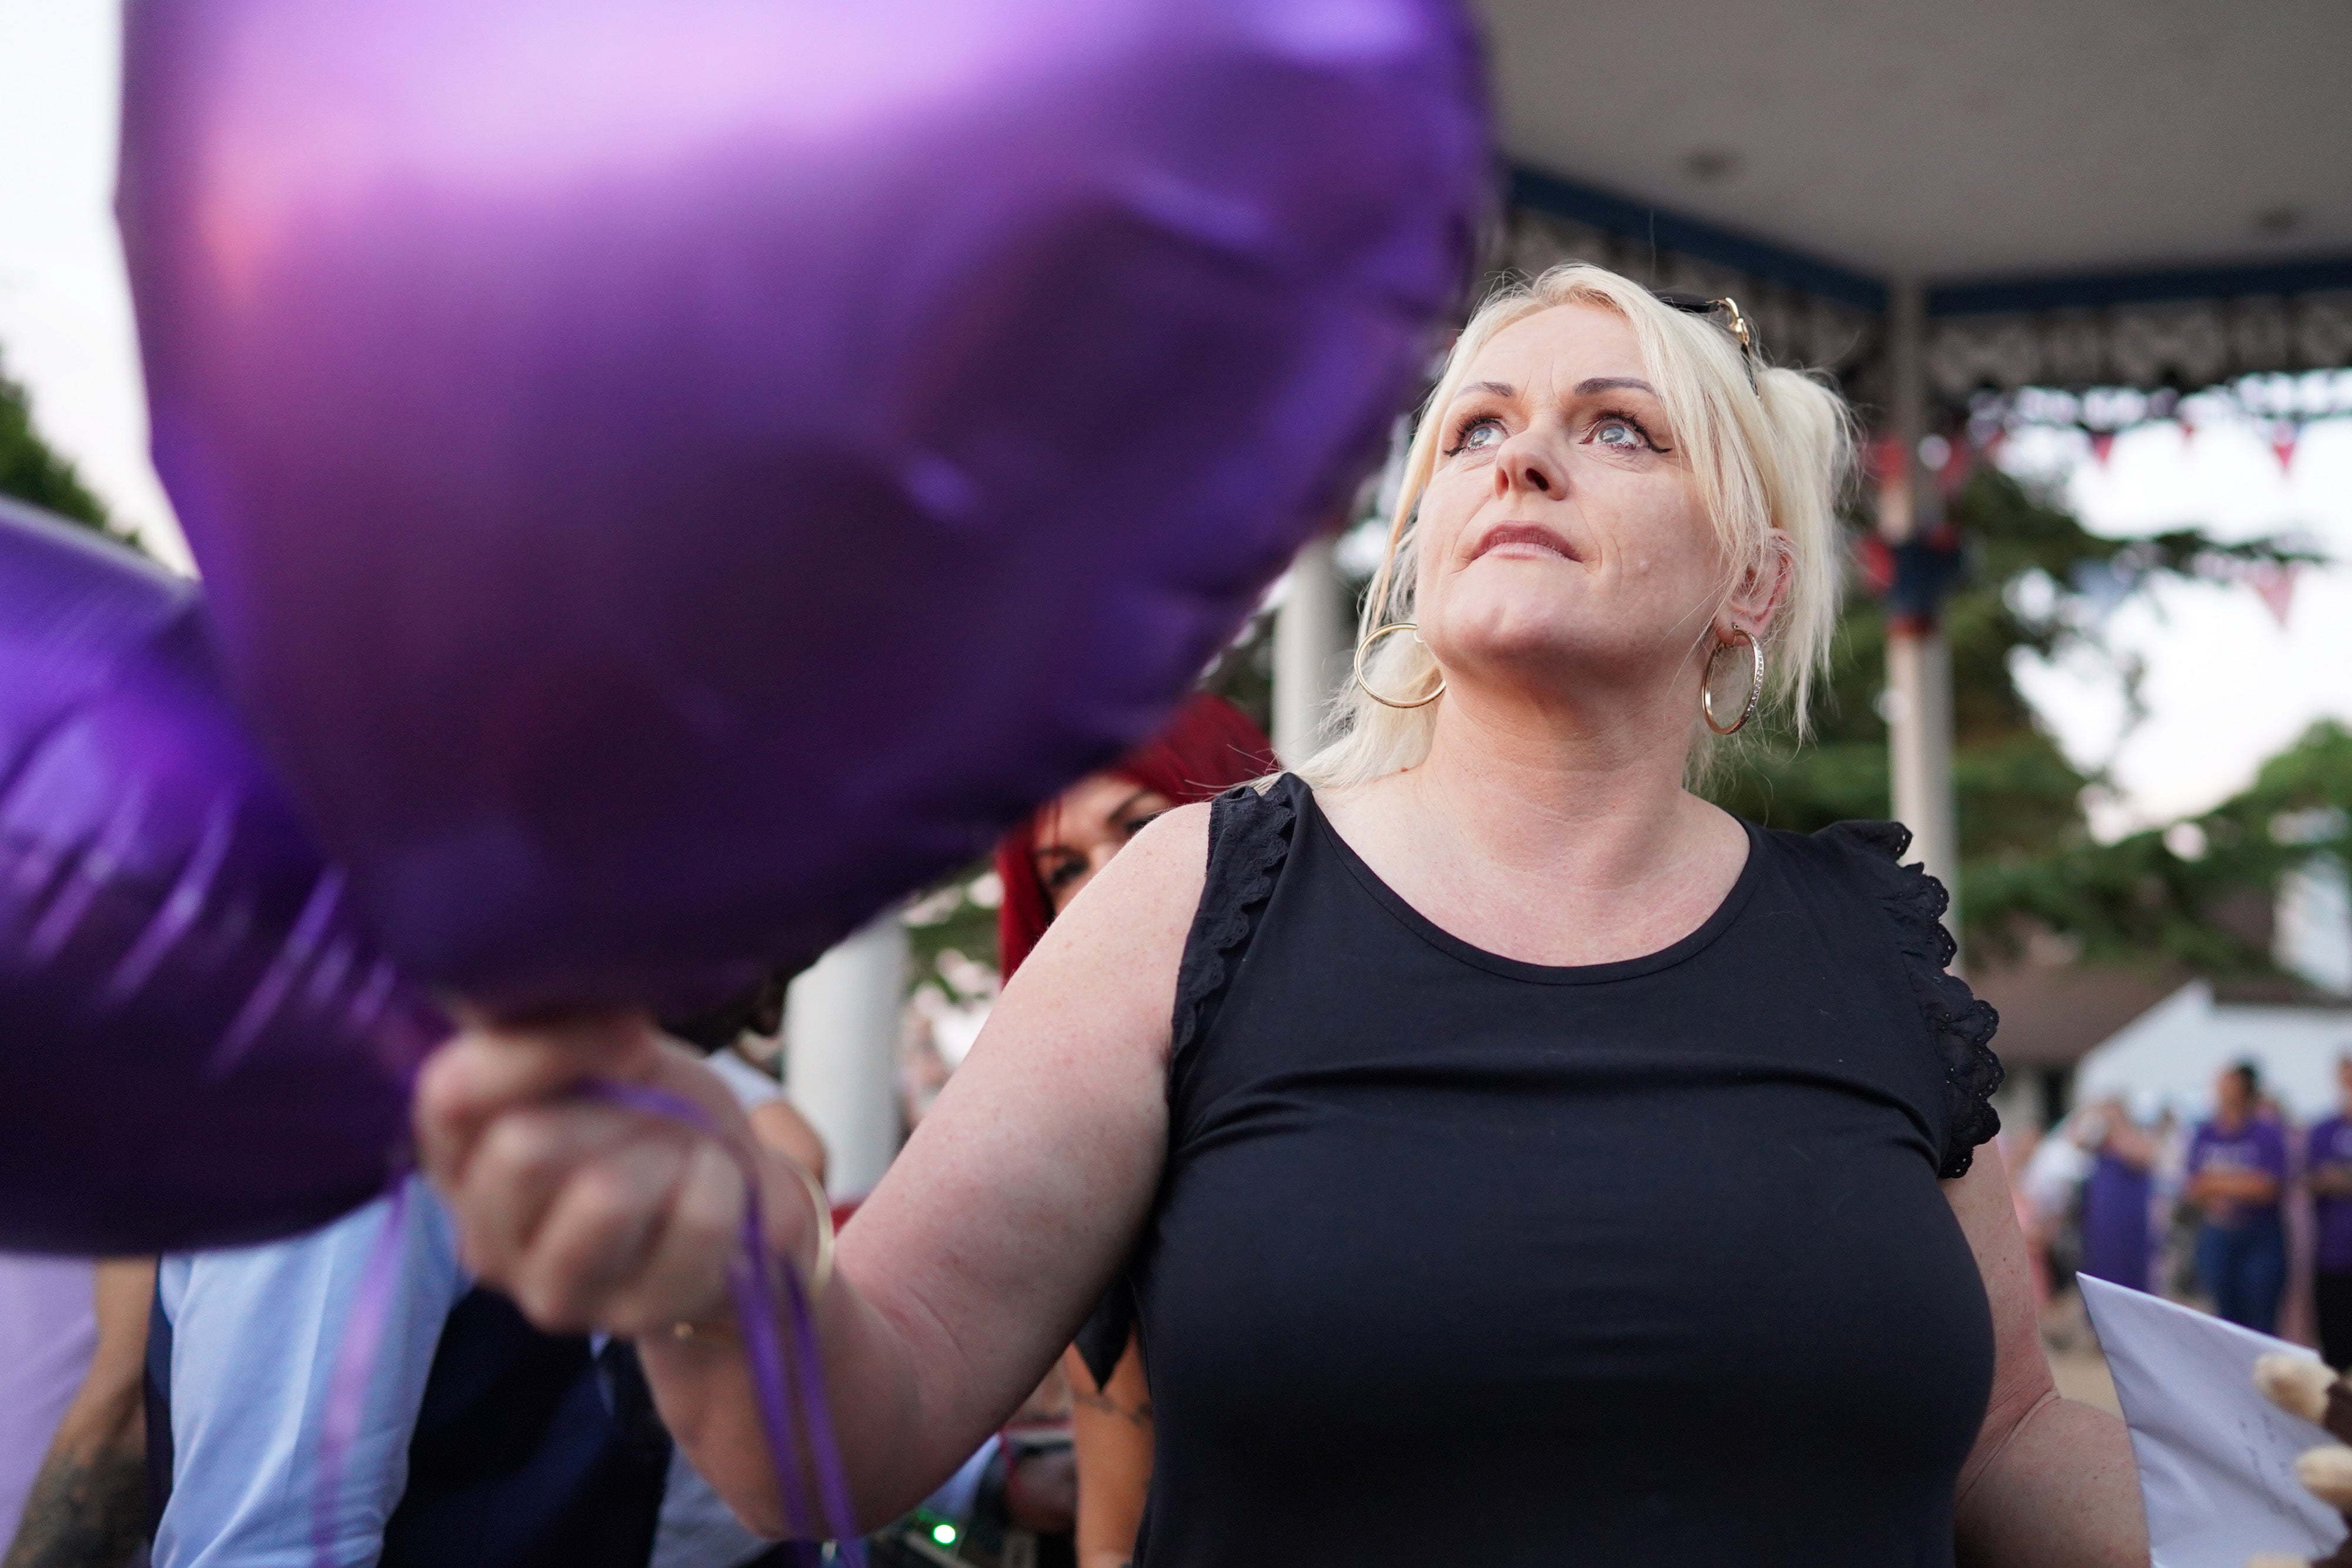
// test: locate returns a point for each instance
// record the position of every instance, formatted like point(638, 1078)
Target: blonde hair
point(1771, 461)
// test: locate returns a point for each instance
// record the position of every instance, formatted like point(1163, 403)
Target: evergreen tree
point(32, 472)
point(2037, 582)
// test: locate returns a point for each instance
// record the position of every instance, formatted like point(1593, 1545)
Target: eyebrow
point(1585, 388)
point(1613, 383)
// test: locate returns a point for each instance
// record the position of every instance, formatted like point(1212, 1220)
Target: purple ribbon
point(354, 1368)
point(780, 1339)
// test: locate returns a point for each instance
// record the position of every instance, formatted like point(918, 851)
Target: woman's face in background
point(2229, 1094)
point(1087, 824)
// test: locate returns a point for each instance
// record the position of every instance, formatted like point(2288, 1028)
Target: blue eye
point(1479, 434)
point(1620, 434)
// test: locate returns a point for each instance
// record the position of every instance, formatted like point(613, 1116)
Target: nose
point(1526, 465)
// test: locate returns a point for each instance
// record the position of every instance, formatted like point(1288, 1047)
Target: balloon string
point(751, 1283)
point(354, 1369)
point(780, 1344)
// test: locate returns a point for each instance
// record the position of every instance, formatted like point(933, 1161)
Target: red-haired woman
point(1043, 862)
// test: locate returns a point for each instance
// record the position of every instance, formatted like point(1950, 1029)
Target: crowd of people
point(2241, 1211)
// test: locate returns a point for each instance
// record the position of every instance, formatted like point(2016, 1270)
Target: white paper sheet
point(2216, 1458)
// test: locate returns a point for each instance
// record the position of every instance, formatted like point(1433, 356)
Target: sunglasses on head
point(1725, 309)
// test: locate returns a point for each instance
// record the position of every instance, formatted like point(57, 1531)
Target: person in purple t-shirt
point(2236, 1168)
point(2328, 1159)
point(2116, 1242)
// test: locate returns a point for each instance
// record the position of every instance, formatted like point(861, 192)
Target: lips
point(1526, 535)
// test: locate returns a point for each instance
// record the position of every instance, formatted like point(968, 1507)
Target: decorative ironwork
point(1793, 327)
point(2183, 344)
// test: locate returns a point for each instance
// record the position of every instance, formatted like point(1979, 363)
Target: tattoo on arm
point(85, 1510)
point(1138, 1415)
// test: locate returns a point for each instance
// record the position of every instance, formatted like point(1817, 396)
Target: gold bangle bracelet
point(819, 1272)
point(821, 1266)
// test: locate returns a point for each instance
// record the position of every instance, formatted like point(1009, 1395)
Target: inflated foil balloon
point(673, 473)
point(195, 1048)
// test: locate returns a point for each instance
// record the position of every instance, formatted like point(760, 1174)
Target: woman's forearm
point(2212, 1186)
point(894, 1451)
point(2063, 1493)
point(2245, 1186)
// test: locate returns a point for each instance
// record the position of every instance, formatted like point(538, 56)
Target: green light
point(944, 1534)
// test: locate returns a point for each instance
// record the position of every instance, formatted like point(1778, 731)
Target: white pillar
point(1314, 634)
point(841, 1040)
point(1919, 721)
point(1918, 661)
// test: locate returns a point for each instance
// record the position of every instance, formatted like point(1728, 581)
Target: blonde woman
point(1515, 1159)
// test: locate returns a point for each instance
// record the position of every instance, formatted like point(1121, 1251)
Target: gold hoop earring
point(1755, 685)
point(1365, 647)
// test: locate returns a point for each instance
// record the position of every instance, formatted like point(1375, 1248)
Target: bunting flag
point(1882, 458)
point(2103, 445)
point(2275, 582)
point(2284, 435)
point(1955, 472)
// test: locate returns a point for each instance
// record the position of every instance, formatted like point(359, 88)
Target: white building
point(2171, 1054)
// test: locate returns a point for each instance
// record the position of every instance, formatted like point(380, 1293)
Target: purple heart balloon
point(196, 1049)
point(673, 473)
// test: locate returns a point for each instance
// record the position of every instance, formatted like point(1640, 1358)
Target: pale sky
point(2226, 684)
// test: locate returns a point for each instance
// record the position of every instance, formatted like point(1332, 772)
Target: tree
point(2037, 582)
point(33, 472)
point(2198, 894)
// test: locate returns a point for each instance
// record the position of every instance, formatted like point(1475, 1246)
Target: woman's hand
point(590, 1215)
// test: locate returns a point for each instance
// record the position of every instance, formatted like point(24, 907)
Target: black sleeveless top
point(1463, 1260)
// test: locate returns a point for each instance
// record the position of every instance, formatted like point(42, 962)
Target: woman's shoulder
point(1868, 855)
point(1130, 920)
point(1248, 832)
point(1863, 862)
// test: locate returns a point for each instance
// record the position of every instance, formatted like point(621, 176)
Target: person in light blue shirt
point(254, 1333)
point(481, 1442)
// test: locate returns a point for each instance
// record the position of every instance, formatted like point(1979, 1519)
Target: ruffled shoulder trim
point(1961, 1023)
point(1249, 837)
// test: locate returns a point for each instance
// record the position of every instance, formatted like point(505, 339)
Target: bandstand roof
point(2023, 159)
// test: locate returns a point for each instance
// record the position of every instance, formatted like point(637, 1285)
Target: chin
point(1514, 636)
point(1520, 609)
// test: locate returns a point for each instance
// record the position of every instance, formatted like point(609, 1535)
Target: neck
point(1592, 793)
